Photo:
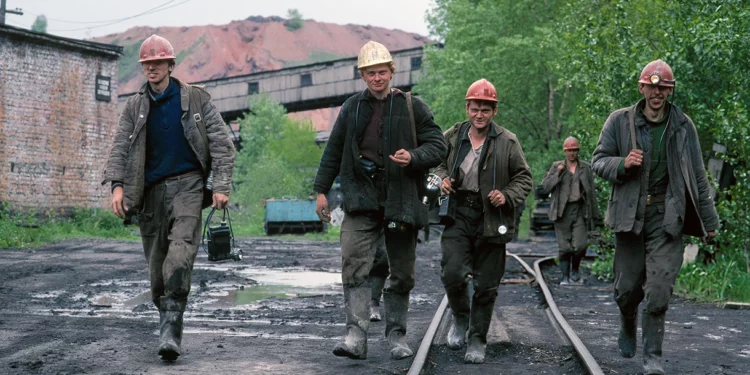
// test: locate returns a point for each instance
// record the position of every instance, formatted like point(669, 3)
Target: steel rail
point(424, 348)
point(586, 357)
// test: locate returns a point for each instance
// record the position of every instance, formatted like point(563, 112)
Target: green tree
point(605, 45)
point(510, 43)
point(278, 158)
point(294, 21)
point(40, 24)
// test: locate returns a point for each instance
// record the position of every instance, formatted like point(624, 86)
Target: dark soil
point(83, 306)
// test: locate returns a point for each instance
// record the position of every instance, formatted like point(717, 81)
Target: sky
point(82, 19)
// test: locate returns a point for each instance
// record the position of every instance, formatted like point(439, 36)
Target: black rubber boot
point(575, 275)
point(628, 329)
point(356, 302)
point(653, 336)
point(458, 300)
point(170, 327)
point(376, 285)
point(396, 311)
point(481, 317)
point(565, 270)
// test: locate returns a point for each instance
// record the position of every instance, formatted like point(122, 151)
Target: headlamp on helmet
point(655, 79)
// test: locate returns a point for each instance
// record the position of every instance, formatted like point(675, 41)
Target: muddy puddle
point(215, 287)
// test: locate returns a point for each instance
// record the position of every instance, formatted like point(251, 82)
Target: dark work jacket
point(341, 157)
point(689, 206)
point(551, 183)
point(512, 173)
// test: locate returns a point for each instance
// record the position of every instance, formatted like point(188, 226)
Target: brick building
point(58, 115)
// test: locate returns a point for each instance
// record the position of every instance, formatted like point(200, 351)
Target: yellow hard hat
point(373, 53)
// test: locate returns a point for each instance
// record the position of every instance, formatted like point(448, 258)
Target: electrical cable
point(150, 11)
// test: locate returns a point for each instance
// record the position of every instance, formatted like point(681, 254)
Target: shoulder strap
point(410, 107)
point(631, 118)
point(196, 111)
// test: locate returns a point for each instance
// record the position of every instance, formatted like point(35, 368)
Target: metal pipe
point(424, 348)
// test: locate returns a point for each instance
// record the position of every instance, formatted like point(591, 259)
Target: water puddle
point(274, 284)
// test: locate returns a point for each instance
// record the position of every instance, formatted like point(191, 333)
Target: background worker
point(483, 199)
point(573, 208)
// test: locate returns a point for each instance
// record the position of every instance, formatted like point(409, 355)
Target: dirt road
point(83, 307)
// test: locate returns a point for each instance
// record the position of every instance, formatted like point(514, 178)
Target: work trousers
point(646, 265)
point(360, 235)
point(170, 226)
point(571, 231)
point(468, 255)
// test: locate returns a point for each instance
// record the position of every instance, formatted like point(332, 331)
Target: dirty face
point(377, 77)
point(571, 148)
point(655, 95)
point(480, 114)
point(157, 71)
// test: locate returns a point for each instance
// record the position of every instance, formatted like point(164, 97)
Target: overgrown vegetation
point(278, 159)
point(18, 230)
point(294, 21)
point(561, 67)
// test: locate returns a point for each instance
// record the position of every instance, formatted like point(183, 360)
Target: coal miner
point(169, 140)
point(573, 208)
point(651, 154)
point(382, 144)
point(487, 178)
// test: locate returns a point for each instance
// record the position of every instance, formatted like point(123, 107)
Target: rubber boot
point(396, 310)
point(357, 322)
point(458, 301)
point(481, 316)
point(575, 275)
point(565, 270)
point(628, 329)
point(653, 336)
point(376, 285)
point(170, 327)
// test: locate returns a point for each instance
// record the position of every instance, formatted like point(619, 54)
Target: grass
point(30, 229)
point(724, 279)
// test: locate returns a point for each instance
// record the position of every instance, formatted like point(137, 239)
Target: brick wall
point(54, 135)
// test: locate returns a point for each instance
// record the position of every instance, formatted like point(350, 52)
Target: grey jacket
point(689, 207)
point(341, 157)
point(513, 176)
point(127, 158)
point(557, 204)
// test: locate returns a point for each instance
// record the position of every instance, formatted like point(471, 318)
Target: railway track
point(442, 317)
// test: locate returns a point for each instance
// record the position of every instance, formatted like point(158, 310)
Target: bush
point(295, 21)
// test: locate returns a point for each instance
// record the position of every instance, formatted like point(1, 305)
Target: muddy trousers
point(360, 235)
point(170, 228)
point(572, 236)
point(379, 271)
point(646, 267)
point(467, 255)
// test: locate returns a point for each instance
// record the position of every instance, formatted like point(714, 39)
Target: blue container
point(291, 215)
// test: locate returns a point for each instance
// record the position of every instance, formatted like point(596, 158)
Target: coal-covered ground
point(83, 307)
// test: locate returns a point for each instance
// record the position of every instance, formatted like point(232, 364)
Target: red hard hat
point(156, 48)
point(482, 90)
point(657, 73)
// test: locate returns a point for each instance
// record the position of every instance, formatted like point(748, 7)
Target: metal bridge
point(305, 87)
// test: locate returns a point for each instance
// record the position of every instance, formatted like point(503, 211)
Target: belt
point(652, 199)
point(469, 199)
point(182, 176)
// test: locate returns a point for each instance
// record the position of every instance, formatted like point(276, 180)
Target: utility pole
point(3, 11)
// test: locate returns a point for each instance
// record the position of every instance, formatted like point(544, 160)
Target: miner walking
point(573, 208)
point(486, 176)
point(169, 140)
point(381, 145)
point(651, 154)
